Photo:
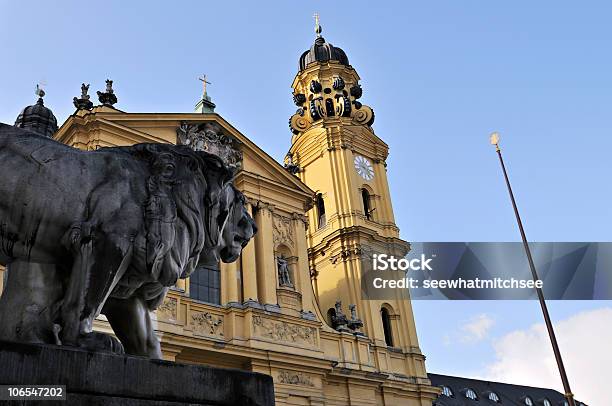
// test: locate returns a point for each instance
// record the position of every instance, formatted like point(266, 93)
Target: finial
point(83, 102)
point(39, 91)
point(204, 83)
point(108, 97)
point(318, 28)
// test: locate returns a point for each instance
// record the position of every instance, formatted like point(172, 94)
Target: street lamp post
point(549, 326)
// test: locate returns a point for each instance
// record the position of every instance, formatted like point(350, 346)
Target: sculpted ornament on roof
point(209, 137)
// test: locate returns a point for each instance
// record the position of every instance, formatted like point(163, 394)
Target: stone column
point(266, 261)
point(249, 268)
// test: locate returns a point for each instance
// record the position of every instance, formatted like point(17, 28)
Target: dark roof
point(37, 118)
point(322, 51)
point(508, 394)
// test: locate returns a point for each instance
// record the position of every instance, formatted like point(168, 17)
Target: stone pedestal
point(93, 379)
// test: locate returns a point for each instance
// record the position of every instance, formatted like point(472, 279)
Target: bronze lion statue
point(107, 231)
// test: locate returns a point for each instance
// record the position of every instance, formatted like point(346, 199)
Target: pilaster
point(266, 261)
point(249, 268)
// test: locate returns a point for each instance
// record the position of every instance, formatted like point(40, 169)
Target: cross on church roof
point(204, 83)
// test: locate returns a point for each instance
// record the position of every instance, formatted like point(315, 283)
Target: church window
point(446, 391)
point(546, 402)
point(493, 397)
point(205, 284)
point(386, 322)
point(471, 394)
point(320, 211)
point(365, 197)
point(528, 401)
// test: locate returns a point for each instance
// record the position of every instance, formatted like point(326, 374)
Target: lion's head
point(237, 227)
point(193, 213)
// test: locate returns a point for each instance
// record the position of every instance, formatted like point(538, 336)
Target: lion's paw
point(97, 341)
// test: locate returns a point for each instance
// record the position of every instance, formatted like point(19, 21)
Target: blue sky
point(440, 76)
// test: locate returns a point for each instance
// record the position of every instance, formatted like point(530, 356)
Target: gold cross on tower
point(204, 83)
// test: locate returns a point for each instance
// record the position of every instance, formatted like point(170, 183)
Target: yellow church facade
point(292, 305)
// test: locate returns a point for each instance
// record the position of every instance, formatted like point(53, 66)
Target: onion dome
point(322, 51)
point(38, 118)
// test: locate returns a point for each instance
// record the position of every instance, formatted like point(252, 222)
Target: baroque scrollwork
point(299, 99)
point(317, 103)
point(364, 115)
point(299, 122)
point(283, 331)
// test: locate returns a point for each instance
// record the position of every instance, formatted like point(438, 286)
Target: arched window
point(528, 401)
point(386, 322)
point(365, 198)
point(546, 402)
point(320, 210)
point(446, 391)
point(471, 394)
point(493, 397)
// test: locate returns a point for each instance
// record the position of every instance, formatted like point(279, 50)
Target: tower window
point(367, 209)
point(205, 284)
point(320, 211)
point(329, 107)
point(386, 322)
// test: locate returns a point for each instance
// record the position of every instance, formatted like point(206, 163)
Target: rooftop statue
point(107, 231)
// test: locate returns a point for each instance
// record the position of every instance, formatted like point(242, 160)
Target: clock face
point(364, 167)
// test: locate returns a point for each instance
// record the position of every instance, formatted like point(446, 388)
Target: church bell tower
point(335, 151)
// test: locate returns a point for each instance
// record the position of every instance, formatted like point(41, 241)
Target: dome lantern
point(322, 51)
point(37, 118)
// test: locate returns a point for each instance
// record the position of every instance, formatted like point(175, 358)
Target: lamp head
point(494, 139)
